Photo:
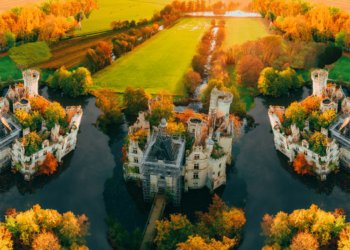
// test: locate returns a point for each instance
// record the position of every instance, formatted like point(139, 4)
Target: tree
point(78, 82)
point(30, 54)
point(164, 108)
point(344, 239)
point(6, 242)
point(198, 64)
point(39, 103)
point(249, 69)
point(49, 165)
point(296, 113)
point(311, 104)
point(32, 143)
point(53, 114)
point(269, 83)
point(109, 103)
point(198, 243)
point(61, 75)
point(173, 231)
point(46, 241)
point(9, 39)
point(301, 166)
point(192, 80)
point(135, 100)
point(120, 237)
point(98, 57)
point(304, 241)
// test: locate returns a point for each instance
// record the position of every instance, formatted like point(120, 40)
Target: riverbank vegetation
point(310, 229)
point(220, 227)
point(39, 229)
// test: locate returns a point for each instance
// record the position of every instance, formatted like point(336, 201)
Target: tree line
point(305, 21)
point(45, 21)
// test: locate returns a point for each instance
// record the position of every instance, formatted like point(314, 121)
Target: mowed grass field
point(240, 30)
point(159, 63)
point(120, 10)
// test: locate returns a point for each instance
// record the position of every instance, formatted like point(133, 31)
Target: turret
point(319, 81)
point(163, 126)
point(31, 79)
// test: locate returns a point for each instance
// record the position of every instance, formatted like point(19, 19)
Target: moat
point(90, 180)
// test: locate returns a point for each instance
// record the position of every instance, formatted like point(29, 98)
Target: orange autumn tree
point(198, 242)
point(301, 166)
point(49, 166)
point(184, 116)
point(124, 154)
point(39, 103)
point(311, 104)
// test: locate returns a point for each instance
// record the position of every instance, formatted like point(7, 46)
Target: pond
point(227, 14)
point(90, 179)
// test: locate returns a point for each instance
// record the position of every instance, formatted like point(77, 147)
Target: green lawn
point(159, 63)
point(8, 68)
point(240, 30)
point(341, 68)
point(120, 10)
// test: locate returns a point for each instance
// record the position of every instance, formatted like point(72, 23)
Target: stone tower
point(319, 81)
point(31, 80)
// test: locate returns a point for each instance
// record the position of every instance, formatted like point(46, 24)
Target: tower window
point(136, 159)
point(195, 176)
point(134, 150)
point(220, 165)
point(196, 157)
point(219, 174)
point(196, 166)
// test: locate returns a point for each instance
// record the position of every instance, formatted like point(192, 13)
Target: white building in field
point(164, 164)
point(57, 141)
point(337, 149)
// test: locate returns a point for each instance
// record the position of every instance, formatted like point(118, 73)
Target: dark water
point(90, 179)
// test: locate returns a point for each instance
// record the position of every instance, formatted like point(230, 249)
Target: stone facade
point(204, 165)
point(57, 142)
point(338, 147)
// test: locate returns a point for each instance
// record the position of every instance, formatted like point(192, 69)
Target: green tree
point(271, 82)
point(120, 237)
point(53, 114)
point(342, 39)
point(135, 100)
point(297, 114)
point(77, 83)
point(164, 108)
point(9, 39)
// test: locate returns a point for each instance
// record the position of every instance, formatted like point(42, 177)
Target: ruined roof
point(163, 148)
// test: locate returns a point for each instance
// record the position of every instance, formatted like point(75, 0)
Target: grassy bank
point(8, 68)
point(159, 63)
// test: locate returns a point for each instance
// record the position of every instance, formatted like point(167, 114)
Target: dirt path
point(151, 230)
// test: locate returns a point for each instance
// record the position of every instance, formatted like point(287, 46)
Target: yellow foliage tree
point(5, 239)
point(198, 243)
point(46, 241)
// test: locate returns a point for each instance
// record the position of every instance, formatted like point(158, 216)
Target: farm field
point(159, 63)
point(240, 30)
point(120, 10)
point(342, 4)
point(71, 53)
point(8, 4)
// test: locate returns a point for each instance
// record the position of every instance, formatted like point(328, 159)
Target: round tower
point(163, 126)
point(31, 80)
point(224, 103)
point(319, 81)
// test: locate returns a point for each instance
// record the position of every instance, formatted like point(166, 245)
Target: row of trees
point(126, 24)
point(127, 41)
point(40, 229)
point(217, 7)
point(305, 21)
point(310, 229)
point(98, 57)
point(46, 21)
